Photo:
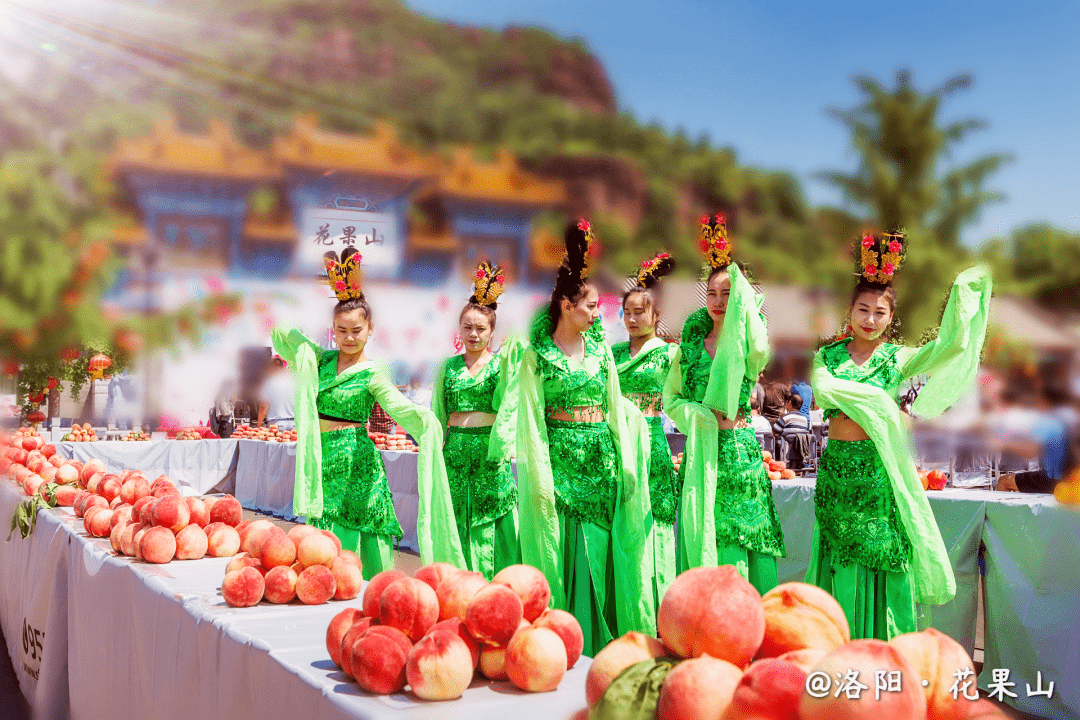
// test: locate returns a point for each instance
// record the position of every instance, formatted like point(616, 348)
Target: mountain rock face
point(600, 184)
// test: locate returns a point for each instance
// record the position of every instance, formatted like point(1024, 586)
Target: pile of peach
point(677, 461)
point(31, 463)
point(306, 564)
point(397, 442)
point(777, 469)
point(136, 436)
point(741, 656)
point(81, 433)
point(432, 632)
point(268, 434)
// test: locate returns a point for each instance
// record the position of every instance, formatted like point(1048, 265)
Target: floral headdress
point(582, 248)
point(714, 242)
point(488, 285)
point(878, 257)
point(344, 274)
point(652, 270)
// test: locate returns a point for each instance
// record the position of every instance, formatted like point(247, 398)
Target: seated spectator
point(276, 397)
point(793, 422)
point(761, 425)
point(794, 433)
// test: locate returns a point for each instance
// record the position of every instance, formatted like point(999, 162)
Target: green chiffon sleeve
point(952, 359)
point(503, 441)
point(438, 396)
point(436, 529)
point(632, 526)
point(536, 486)
point(878, 415)
point(742, 350)
point(696, 528)
point(303, 357)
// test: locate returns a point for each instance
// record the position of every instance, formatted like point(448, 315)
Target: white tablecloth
point(197, 467)
point(139, 641)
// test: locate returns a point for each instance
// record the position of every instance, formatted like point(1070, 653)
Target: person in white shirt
point(276, 397)
point(760, 424)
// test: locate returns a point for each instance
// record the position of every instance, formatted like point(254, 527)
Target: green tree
point(901, 181)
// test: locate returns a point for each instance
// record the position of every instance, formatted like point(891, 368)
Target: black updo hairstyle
point(647, 282)
point(569, 284)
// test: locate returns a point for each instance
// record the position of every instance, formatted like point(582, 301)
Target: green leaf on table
point(633, 694)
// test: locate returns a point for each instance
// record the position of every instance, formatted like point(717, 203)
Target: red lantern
point(69, 354)
point(11, 367)
point(98, 364)
point(35, 418)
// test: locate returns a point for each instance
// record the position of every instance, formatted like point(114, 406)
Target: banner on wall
point(372, 233)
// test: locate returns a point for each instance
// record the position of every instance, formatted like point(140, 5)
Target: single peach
point(158, 545)
point(191, 543)
point(866, 658)
point(48, 473)
point(280, 584)
point(298, 532)
point(277, 549)
point(67, 475)
point(315, 585)
point(435, 573)
point(171, 512)
point(222, 541)
point(101, 524)
point(66, 494)
point(137, 541)
point(374, 590)
point(200, 514)
point(90, 469)
point(616, 656)
point(494, 614)
point(769, 690)
point(121, 513)
point(349, 639)
point(530, 585)
point(804, 659)
point(348, 577)
point(567, 627)
point(701, 687)
point(937, 659)
point(252, 533)
point(456, 625)
point(439, 667)
point(116, 502)
point(227, 510)
point(336, 540)
point(800, 616)
point(127, 538)
point(241, 560)
point(698, 610)
point(33, 483)
point(492, 663)
point(455, 592)
point(536, 659)
point(335, 631)
point(410, 605)
point(317, 550)
point(243, 588)
point(115, 536)
point(134, 488)
point(379, 656)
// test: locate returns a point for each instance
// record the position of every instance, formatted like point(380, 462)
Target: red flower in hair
point(704, 245)
point(704, 220)
point(895, 246)
point(499, 279)
point(663, 256)
point(330, 264)
point(867, 241)
point(871, 270)
point(888, 268)
point(479, 274)
point(721, 244)
point(340, 285)
point(645, 263)
point(583, 225)
point(721, 219)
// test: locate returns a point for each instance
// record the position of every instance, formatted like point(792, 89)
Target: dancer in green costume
point(726, 515)
point(475, 398)
point(643, 364)
point(340, 478)
point(583, 464)
point(877, 547)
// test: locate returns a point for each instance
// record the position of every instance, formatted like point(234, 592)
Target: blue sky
point(758, 76)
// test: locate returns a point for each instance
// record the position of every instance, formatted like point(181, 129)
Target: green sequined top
point(464, 392)
point(881, 370)
point(642, 376)
point(351, 400)
point(567, 382)
point(696, 365)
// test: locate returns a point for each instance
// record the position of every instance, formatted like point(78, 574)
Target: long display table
point(122, 638)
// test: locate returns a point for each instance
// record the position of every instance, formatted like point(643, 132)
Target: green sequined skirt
point(584, 467)
point(745, 512)
point(485, 496)
point(855, 509)
point(663, 482)
point(355, 491)
point(860, 552)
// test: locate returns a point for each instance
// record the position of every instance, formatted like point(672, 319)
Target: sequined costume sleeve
point(503, 441)
point(952, 359)
point(436, 531)
point(742, 350)
point(303, 357)
point(438, 396)
point(697, 521)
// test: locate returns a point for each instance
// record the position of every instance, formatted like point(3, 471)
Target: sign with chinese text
point(373, 234)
